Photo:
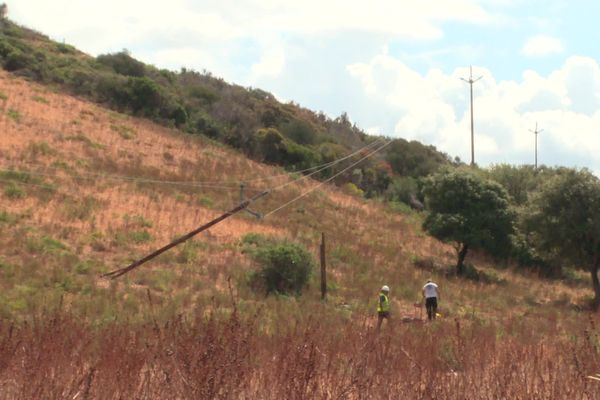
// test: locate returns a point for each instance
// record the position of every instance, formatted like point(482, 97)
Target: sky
point(393, 65)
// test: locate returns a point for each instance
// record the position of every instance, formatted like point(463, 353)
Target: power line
point(471, 81)
point(326, 166)
point(200, 184)
point(327, 180)
point(319, 167)
point(47, 187)
point(92, 175)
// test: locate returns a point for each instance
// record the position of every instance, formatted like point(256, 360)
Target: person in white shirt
point(431, 294)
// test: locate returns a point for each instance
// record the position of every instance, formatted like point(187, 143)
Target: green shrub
point(202, 93)
point(205, 201)
point(14, 115)
point(81, 209)
point(16, 60)
point(40, 149)
point(253, 238)
point(14, 191)
point(474, 274)
point(300, 132)
point(65, 48)
point(122, 63)
point(47, 245)
point(40, 99)
point(402, 189)
point(9, 218)
point(205, 125)
point(284, 267)
point(139, 237)
point(124, 131)
point(83, 267)
point(145, 96)
point(353, 190)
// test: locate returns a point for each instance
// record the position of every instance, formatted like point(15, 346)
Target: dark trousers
point(380, 317)
point(431, 305)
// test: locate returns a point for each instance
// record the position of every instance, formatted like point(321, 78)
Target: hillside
point(90, 177)
point(85, 190)
point(248, 119)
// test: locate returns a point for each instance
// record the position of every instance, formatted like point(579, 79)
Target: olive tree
point(564, 222)
point(470, 212)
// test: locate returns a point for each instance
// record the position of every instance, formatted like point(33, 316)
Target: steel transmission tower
point(471, 81)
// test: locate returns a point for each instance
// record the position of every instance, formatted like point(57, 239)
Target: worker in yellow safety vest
point(383, 306)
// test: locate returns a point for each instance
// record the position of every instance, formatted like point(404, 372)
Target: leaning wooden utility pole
point(323, 269)
point(535, 132)
point(119, 272)
point(471, 81)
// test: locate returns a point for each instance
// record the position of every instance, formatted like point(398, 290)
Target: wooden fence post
point(323, 269)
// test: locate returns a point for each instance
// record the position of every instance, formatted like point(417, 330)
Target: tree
point(469, 211)
point(518, 181)
point(414, 159)
point(564, 220)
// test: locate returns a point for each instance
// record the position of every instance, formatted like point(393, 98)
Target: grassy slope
point(60, 239)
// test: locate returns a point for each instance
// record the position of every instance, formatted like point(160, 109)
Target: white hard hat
point(385, 288)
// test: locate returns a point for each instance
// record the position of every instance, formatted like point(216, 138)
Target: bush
point(353, 190)
point(300, 132)
point(403, 189)
point(145, 96)
point(122, 63)
point(285, 267)
point(13, 191)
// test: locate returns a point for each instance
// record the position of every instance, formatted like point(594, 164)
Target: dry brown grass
point(230, 358)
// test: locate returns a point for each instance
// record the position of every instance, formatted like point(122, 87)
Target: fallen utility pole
point(119, 272)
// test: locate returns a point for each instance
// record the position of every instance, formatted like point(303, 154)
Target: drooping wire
point(326, 166)
point(326, 181)
point(319, 168)
point(46, 187)
point(204, 184)
point(91, 176)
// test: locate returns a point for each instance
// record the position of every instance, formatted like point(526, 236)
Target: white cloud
point(99, 27)
point(433, 108)
point(271, 64)
point(540, 45)
point(131, 21)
